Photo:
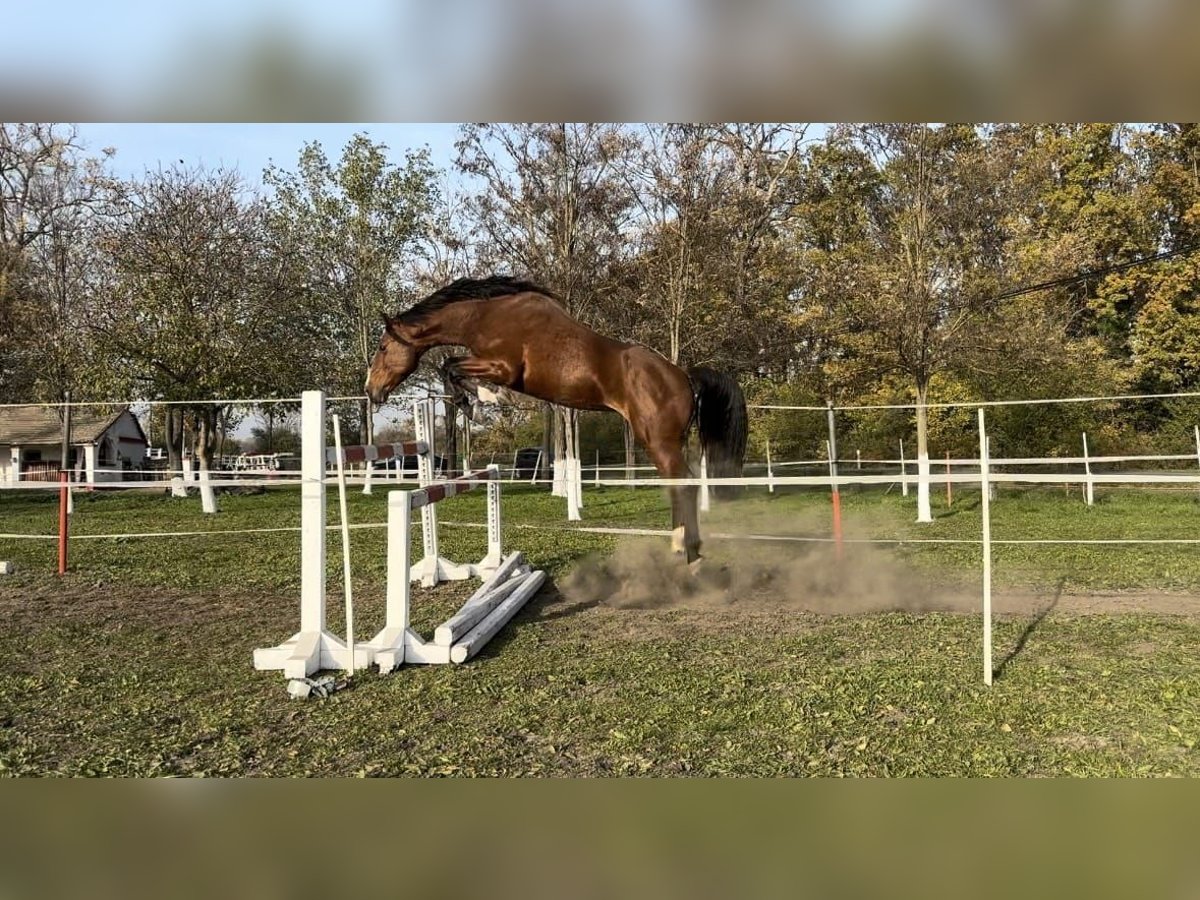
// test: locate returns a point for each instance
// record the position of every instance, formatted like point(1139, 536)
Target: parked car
point(526, 462)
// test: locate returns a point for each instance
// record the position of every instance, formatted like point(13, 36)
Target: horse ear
point(391, 326)
point(400, 331)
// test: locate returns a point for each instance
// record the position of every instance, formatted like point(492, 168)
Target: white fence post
point(1089, 490)
point(1196, 431)
point(597, 472)
point(985, 507)
point(770, 474)
point(705, 501)
point(903, 472)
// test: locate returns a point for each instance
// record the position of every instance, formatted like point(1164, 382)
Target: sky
point(250, 148)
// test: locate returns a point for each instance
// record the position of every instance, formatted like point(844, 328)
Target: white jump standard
point(508, 584)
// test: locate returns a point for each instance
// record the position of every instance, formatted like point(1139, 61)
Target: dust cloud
point(758, 574)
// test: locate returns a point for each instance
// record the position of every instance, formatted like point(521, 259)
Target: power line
point(1096, 273)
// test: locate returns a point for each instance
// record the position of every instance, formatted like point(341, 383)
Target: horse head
point(395, 359)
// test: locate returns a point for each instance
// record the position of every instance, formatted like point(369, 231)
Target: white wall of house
point(127, 440)
point(103, 461)
point(9, 462)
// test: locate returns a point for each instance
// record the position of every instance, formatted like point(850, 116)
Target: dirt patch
point(72, 600)
point(1080, 742)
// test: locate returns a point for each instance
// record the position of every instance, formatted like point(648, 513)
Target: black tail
point(720, 415)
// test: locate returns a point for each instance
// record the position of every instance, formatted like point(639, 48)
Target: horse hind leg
point(457, 386)
point(685, 526)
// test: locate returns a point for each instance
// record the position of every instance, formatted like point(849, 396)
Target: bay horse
point(521, 338)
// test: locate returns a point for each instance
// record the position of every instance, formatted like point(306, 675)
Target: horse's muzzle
point(378, 396)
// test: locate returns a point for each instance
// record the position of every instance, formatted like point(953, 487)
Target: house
point(103, 445)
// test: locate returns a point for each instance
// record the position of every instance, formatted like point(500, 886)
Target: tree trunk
point(566, 454)
point(222, 432)
point(559, 485)
point(547, 439)
point(205, 439)
point(451, 418)
point(174, 439)
point(451, 423)
point(924, 511)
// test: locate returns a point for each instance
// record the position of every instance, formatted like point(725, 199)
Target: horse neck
point(453, 325)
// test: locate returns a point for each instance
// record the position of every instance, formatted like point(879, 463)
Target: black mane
point(469, 289)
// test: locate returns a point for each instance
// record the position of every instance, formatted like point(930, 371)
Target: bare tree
point(552, 204)
point(49, 191)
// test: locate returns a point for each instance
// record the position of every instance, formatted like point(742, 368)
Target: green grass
point(138, 661)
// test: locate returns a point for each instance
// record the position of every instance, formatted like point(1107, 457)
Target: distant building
point(103, 446)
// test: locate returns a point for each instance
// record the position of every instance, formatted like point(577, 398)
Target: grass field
point(138, 661)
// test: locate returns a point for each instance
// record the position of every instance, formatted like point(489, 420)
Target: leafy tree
point(190, 304)
point(916, 273)
point(352, 229)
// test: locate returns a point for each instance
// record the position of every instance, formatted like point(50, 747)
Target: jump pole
point(985, 508)
point(770, 474)
point(344, 518)
point(833, 481)
point(705, 500)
